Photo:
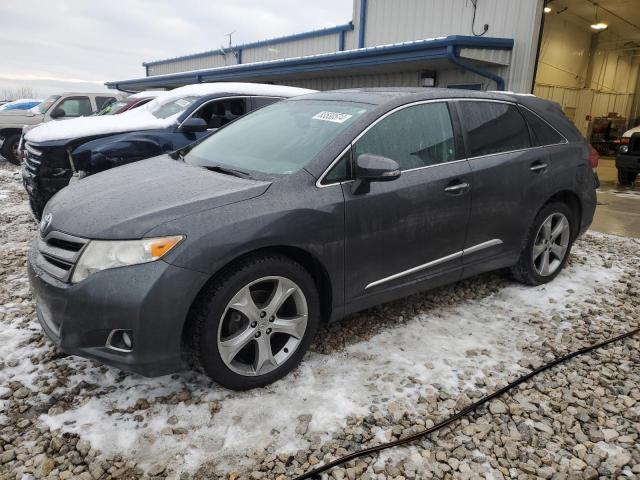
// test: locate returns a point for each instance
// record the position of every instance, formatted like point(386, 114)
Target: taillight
point(594, 158)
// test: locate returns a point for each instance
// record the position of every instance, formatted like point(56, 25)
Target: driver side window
point(220, 112)
point(416, 136)
point(75, 107)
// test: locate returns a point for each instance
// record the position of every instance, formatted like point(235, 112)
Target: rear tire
point(626, 178)
point(9, 149)
point(548, 245)
point(252, 325)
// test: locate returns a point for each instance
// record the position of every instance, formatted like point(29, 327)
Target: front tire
point(626, 178)
point(253, 325)
point(10, 149)
point(548, 245)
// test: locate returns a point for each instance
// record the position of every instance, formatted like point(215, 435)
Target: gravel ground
point(376, 376)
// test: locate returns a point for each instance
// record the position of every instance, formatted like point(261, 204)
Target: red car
point(132, 101)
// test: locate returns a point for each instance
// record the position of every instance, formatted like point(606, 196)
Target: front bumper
point(40, 188)
point(152, 300)
point(629, 163)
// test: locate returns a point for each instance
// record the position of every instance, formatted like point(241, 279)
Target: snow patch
point(443, 348)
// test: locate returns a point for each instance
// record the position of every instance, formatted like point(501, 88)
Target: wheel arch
point(6, 131)
point(309, 262)
point(572, 200)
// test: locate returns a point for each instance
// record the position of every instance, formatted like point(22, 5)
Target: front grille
point(32, 159)
point(59, 253)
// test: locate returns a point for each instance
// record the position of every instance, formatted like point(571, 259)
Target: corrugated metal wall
point(390, 21)
point(399, 79)
point(299, 48)
point(174, 66)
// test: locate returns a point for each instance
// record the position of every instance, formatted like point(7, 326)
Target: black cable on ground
point(465, 411)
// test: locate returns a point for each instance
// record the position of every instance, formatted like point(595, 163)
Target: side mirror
point(193, 125)
point(373, 168)
point(58, 113)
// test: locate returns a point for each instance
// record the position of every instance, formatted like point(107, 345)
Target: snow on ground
point(185, 420)
point(446, 347)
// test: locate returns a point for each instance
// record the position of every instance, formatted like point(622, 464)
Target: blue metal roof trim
point(262, 43)
point(436, 48)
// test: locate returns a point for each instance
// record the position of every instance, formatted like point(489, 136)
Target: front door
point(413, 228)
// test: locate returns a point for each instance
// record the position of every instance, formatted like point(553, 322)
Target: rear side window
point(102, 102)
point(543, 133)
point(493, 127)
point(416, 136)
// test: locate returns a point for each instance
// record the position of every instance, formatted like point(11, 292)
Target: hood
point(126, 202)
point(628, 133)
point(131, 120)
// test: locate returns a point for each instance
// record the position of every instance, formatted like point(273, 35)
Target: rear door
point(510, 179)
point(410, 229)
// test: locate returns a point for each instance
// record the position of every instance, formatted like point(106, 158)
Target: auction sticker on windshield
point(332, 117)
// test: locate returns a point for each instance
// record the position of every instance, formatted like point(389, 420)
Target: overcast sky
point(61, 45)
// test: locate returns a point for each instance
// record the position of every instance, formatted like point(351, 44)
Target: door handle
point(538, 167)
point(458, 187)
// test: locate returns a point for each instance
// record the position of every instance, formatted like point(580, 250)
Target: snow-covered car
point(55, 152)
point(129, 103)
point(56, 107)
point(20, 104)
point(628, 157)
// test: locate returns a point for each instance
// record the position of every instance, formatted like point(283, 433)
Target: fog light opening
point(120, 340)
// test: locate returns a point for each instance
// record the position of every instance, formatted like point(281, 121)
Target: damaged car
point(56, 107)
point(55, 153)
point(231, 253)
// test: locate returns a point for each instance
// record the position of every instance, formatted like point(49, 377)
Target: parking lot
point(374, 376)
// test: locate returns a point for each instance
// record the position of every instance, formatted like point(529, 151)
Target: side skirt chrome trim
point(437, 261)
point(482, 246)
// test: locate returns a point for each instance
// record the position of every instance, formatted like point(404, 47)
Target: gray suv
point(56, 107)
point(231, 252)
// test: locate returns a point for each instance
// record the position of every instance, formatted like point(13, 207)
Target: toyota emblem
point(45, 222)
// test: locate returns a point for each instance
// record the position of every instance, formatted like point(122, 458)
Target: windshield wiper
point(227, 171)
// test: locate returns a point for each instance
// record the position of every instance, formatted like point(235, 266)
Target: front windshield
point(46, 105)
point(173, 107)
point(279, 139)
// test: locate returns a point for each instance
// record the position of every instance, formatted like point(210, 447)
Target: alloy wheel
point(551, 244)
point(262, 326)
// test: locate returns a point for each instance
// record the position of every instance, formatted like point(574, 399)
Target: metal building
point(428, 43)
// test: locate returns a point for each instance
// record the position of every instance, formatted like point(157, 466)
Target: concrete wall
point(588, 74)
point(564, 54)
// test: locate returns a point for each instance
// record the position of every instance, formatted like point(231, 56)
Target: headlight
point(623, 148)
point(103, 254)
